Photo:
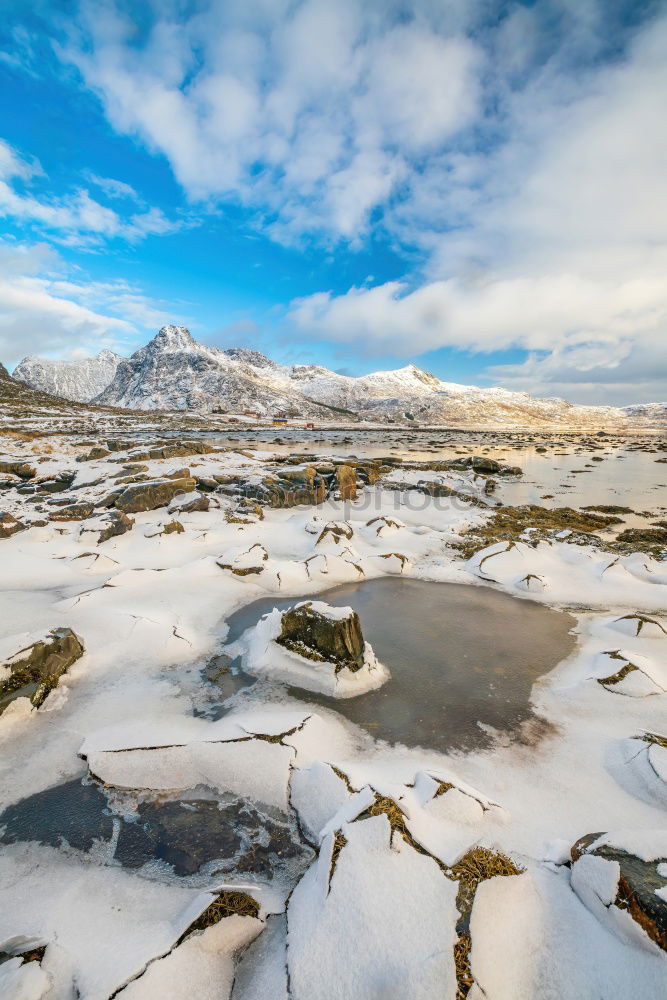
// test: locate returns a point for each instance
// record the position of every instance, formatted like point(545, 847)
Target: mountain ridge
point(175, 372)
point(79, 381)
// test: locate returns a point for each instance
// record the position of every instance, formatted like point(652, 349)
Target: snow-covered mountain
point(77, 380)
point(174, 372)
point(654, 414)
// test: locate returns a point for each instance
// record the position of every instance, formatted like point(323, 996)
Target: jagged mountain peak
point(248, 356)
point(173, 338)
point(79, 380)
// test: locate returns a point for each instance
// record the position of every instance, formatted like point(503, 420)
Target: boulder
point(188, 502)
point(346, 478)
point(485, 465)
point(10, 525)
point(245, 562)
point(151, 495)
point(38, 667)
point(116, 523)
point(637, 885)
point(21, 469)
point(73, 512)
point(319, 632)
point(58, 483)
point(94, 453)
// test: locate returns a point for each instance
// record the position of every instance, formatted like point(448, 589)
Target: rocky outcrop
point(346, 478)
point(95, 453)
point(322, 633)
point(36, 670)
point(116, 523)
point(245, 562)
point(73, 511)
point(636, 884)
point(152, 494)
point(10, 525)
point(21, 469)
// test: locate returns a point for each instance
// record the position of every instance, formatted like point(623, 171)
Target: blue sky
point(478, 188)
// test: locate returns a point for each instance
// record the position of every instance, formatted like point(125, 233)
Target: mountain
point(80, 381)
point(654, 414)
point(174, 372)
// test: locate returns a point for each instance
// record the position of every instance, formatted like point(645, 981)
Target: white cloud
point(114, 188)
point(46, 310)
point(313, 112)
point(75, 218)
point(557, 245)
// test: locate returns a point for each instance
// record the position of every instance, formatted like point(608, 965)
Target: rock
point(369, 474)
point(57, 484)
point(637, 884)
point(245, 562)
point(485, 465)
point(173, 528)
point(335, 531)
point(74, 512)
point(319, 632)
point(10, 525)
point(188, 502)
point(97, 452)
point(346, 478)
point(38, 667)
point(116, 523)
point(151, 495)
point(206, 485)
point(21, 469)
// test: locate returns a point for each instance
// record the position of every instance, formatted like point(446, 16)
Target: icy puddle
point(461, 658)
point(187, 835)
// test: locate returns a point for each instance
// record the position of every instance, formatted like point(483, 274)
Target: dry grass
point(340, 840)
point(464, 978)
point(227, 904)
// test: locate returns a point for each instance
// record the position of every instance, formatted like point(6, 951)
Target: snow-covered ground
point(429, 875)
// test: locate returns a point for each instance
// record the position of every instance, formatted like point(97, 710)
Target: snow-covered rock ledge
point(313, 646)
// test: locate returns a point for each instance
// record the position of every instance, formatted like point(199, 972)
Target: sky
point(478, 187)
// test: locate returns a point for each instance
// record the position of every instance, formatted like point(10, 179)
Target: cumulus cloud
point(46, 310)
point(314, 111)
point(556, 240)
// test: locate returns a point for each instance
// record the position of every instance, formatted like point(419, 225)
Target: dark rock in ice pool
point(36, 670)
point(638, 883)
point(322, 633)
point(486, 465)
point(10, 525)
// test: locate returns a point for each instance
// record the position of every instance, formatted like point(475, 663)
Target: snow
point(507, 932)
point(203, 966)
point(136, 713)
point(409, 955)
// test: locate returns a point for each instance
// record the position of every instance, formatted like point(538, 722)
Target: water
point(459, 657)
point(187, 834)
point(566, 475)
